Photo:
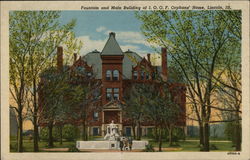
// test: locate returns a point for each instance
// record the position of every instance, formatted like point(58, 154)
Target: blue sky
point(93, 28)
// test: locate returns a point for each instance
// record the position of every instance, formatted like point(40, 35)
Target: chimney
point(149, 58)
point(60, 59)
point(164, 64)
point(75, 57)
point(112, 34)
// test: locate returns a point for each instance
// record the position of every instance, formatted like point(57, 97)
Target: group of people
point(125, 143)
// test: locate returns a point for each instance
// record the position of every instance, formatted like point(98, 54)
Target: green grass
point(193, 146)
point(28, 145)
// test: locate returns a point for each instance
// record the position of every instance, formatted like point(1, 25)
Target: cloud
point(127, 40)
point(90, 44)
point(130, 37)
point(101, 29)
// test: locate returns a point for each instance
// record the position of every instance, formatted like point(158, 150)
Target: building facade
point(117, 71)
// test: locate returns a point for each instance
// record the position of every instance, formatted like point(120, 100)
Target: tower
point(112, 58)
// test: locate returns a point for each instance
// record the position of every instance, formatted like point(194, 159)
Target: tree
point(84, 96)
point(34, 36)
point(197, 42)
point(135, 105)
point(54, 89)
point(162, 108)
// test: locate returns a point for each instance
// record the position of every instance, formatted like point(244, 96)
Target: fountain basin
point(108, 144)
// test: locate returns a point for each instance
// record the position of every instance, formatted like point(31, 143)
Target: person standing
point(121, 144)
point(130, 143)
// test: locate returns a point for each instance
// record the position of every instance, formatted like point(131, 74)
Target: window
point(108, 75)
point(153, 75)
point(128, 131)
point(115, 75)
point(89, 74)
point(108, 94)
point(95, 131)
point(116, 93)
point(142, 75)
point(147, 76)
point(95, 116)
point(135, 74)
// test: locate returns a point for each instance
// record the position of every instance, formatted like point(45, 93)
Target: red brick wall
point(111, 115)
point(111, 63)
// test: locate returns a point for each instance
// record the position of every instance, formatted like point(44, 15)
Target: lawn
point(184, 146)
point(193, 146)
point(28, 145)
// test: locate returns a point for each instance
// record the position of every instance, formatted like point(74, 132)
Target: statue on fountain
point(112, 132)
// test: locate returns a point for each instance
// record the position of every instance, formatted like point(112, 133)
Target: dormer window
point(89, 74)
point(135, 75)
point(108, 75)
point(115, 75)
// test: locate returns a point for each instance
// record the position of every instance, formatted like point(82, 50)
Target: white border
point(76, 5)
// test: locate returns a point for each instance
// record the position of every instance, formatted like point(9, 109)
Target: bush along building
point(112, 73)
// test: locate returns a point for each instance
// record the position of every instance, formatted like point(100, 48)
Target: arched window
point(108, 75)
point(115, 75)
point(135, 75)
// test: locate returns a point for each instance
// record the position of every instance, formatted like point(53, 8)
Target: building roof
point(130, 60)
point(112, 47)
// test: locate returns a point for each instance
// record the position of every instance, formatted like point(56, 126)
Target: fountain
point(112, 132)
point(110, 140)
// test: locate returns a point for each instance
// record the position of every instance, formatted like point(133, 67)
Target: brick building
point(117, 71)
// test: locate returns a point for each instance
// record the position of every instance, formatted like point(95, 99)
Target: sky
point(93, 27)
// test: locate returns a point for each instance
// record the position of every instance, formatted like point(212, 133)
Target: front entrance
point(110, 116)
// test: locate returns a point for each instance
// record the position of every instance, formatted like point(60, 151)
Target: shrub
point(73, 149)
point(149, 148)
point(44, 134)
point(69, 132)
point(178, 133)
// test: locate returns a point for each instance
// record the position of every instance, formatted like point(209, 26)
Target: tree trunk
point(206, 137)
point(170, 136)
point(84, 131)
point(133, 129)
point(156, 134)
point(50, 144)
point(237, 133)
point(35, 135)
point(160, 139)
point(20, 132)
point(201, 135)
point(138, 130)
point(61, 136)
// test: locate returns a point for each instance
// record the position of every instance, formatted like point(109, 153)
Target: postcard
point(125, 80)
